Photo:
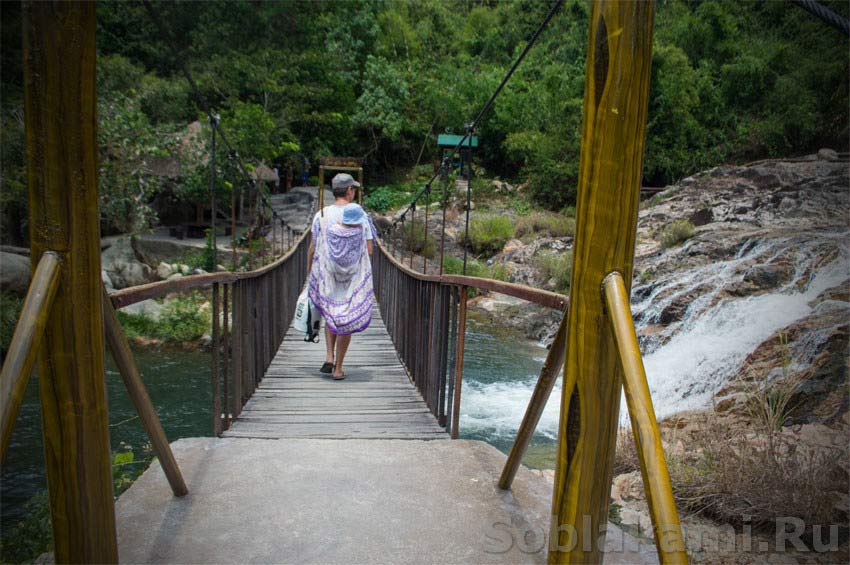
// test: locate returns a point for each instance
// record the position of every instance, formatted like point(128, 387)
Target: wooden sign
point(353, 162)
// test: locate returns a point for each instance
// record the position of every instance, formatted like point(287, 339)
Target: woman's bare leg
point(330, 341)
point(342, 343)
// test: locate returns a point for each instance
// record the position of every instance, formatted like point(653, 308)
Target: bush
point(677, 232)
point(558, 267)
point(181, 320)
point(489, 234)
point(384, 198)
point(553, 225)
point(30, 537)
point(415, 240)
point(475, 268)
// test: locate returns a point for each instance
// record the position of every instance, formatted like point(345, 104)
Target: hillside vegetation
point(731, 81)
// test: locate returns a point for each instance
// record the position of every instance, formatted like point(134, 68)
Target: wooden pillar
point(61, 135)
point(615, 102)
point(321, 187)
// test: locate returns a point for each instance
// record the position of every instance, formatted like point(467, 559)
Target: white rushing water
point(690, 359)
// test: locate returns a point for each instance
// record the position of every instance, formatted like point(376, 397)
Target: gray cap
point(343, 180)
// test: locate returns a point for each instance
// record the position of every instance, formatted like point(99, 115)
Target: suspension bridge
point(301, 468)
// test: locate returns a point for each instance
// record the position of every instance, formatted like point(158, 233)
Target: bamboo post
point(123, 355)
point(360, 189)
point(548, 376)
point(461, 336)
point(26, 341)
point(61, 139)
point(656, 480)
point(615, 102)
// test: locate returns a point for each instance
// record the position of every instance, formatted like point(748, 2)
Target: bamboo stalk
point(545, 383)
point(123, 355)
point(26, 341)
point(61, 138)
point(669, 541)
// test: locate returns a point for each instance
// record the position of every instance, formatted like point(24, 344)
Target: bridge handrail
point(535, 295)
point(134, 294)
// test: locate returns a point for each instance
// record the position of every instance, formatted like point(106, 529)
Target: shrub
point(30, 537)
point(677, 232)
point(553, 225)
point(558, 267)
point(181, 320)
point(417, 241)
point(475, 268)
point(488, 234)
point(384, 198)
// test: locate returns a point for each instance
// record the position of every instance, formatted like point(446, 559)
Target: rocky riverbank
point(744, 321)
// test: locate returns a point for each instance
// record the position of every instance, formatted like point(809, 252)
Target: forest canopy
point(731, 81)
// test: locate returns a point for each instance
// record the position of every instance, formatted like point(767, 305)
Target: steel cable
point(816, 8)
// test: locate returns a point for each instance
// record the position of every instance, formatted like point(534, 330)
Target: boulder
point(107, 282)
point(702, 217)
point(15, 273)
point(147, 308)
point(175, 277)
point(122, 265)
point(154, 251)
point(828, 155)
point(164, 270)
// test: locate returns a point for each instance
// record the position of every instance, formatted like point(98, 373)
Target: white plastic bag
point(307, 319)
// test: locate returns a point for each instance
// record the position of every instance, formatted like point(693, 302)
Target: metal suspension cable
point(837, 21)
point(180, 59)
point(470, 128)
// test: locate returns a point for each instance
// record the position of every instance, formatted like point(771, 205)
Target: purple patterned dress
point(341, 279)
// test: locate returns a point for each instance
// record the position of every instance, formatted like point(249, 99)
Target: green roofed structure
point(463, 158)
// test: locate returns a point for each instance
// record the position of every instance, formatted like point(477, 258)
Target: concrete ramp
point(342, 501)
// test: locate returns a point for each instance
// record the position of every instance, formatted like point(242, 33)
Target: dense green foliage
point(181, 320)
point(731, 81)
point(676, 232)
point(488, 234)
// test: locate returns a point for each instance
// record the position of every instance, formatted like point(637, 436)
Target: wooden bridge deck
point(376, 400)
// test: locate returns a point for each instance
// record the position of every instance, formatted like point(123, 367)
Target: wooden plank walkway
point(376, 400)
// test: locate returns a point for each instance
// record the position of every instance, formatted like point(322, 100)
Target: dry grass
point(728, 475)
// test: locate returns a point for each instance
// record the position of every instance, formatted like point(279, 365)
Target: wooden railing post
point(61, 139)
point(461, 337)
point(615, 102)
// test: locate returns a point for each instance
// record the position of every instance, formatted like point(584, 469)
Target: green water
point(500, 369)
point(179, 386)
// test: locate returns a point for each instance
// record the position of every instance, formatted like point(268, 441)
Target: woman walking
point(340, 271)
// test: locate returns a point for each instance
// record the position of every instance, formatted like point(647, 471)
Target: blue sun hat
point(353, 215)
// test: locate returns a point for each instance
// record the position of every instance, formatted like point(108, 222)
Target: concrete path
point(342, 501)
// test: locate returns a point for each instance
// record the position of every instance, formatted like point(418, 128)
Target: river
point(499, 374)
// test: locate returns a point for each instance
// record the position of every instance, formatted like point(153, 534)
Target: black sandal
point(327, 368)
